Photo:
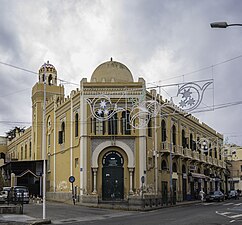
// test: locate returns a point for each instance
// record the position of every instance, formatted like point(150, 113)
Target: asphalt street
point(198, 213)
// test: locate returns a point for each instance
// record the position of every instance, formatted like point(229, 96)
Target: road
point(214, 213)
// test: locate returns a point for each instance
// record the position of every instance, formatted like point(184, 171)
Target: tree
point(12, 133)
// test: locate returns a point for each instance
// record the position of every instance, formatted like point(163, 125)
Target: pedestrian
point(201, 194)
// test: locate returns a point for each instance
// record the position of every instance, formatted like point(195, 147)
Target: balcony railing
point(187, 152)
point(209, 159)
point(177, 150)
point(165, 147)
point(195, 155)
point(202, 157)
point(215, 162)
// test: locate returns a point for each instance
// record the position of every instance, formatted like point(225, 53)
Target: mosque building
point(118, 139)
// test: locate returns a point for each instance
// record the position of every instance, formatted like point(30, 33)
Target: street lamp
point(223, 24)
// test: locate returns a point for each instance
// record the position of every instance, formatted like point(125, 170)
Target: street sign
point(142, 179)
point(71, 179)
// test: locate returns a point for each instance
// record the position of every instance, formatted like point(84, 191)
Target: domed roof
point(49, 68)
point(112, 71)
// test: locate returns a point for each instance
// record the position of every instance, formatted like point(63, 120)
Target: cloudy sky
point(163, 41)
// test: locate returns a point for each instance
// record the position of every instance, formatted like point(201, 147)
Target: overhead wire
point(30, 71)
point(201, 69)
point(224, 105)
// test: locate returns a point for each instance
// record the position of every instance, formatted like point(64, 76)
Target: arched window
point(163, 165)
point(210, 150)
point(183, 139)
point(76, 124)
point(113, 124)
point(184, 169)
point(215, 153)
point(99, 126)
point(150, 128)
point(126, 128)
point(62, 133)
point(192, 143)
point(50, 80)
point(174, 167)
point(174, 135)
point(25, 151)
point(163, 131)
point(21, 153)
point(30, 149)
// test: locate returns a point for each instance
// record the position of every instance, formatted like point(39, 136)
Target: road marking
point(235, 216)
point(225, 213)
point(238, 204)
point(211, 203)
point(230, 203)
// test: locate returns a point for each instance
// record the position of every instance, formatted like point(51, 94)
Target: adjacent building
point(234, 159)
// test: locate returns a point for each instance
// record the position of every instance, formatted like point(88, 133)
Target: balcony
point(215, 162)
point(187, 152)
point(209, 159)
point(195, 155)
point(165, 147)
point(221, 164)
point(177, 150)
point(202, 157)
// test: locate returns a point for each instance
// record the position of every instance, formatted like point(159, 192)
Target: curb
point(41, 222)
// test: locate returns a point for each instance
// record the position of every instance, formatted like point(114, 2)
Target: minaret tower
point(54, 93)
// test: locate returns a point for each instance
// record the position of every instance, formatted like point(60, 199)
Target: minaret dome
point(50, 73)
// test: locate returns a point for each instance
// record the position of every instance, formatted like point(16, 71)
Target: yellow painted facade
point(108, 158)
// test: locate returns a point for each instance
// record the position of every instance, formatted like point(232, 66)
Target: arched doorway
point(112, 176)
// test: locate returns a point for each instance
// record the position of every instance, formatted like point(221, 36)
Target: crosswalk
point(232, 210)
point(225, 204)
point(230, 215)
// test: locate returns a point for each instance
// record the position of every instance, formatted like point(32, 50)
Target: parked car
point(233, 194)
point(2, 197)
point(5, 193)
point(19, 194)
point(215, 196)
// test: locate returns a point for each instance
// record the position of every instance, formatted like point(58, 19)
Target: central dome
point(112, 71)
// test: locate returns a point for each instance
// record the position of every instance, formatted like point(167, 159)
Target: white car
point(233, 194)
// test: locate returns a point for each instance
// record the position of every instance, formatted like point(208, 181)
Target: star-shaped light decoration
point(106, 112)
point(103, 104)
point(186, 93)
point(182, 103)
point(191, 101)
point(99, 112)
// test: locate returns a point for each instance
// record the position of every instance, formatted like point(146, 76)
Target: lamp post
point(44, 146)
point(223, 24)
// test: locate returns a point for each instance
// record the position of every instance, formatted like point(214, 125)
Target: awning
point(199, 175)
